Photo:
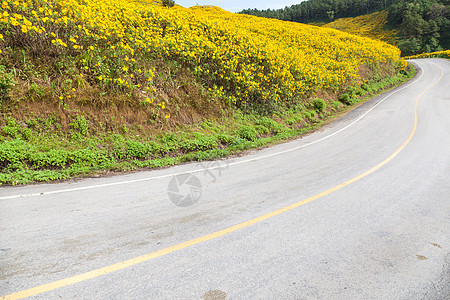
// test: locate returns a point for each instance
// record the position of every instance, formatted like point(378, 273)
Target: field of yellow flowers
point(371, 26)
point(443, 54)
point(95, 86)
point(243, 60)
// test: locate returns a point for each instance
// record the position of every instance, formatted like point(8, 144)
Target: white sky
point(238, 5)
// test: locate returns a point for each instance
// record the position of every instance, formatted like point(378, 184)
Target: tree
point(168, 3)
point(330, 14)
point(434, 45)
point(409, 46)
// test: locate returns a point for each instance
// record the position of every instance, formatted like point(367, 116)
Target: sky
point(238, 5)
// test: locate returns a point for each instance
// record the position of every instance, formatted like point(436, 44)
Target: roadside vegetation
point(440, 54)
point(100, 86)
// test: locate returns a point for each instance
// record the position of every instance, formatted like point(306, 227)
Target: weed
point(136, 149)
point(80, 125)
point(6, 84)
point(248, 132)
point(319, 104)
point(200, 142)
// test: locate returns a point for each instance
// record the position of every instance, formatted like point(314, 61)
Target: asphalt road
point(357, 210)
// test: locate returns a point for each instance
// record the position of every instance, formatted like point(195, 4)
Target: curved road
point(357, 210)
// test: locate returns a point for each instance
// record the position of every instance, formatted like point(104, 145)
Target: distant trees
point(322, 10)
point(422, 24)
point(168, 3)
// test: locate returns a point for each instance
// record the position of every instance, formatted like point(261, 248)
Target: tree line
point(422, 25)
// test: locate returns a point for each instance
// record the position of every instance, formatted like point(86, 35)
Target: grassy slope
point(216, 84)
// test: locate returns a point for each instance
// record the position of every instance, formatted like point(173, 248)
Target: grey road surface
point(384, 236)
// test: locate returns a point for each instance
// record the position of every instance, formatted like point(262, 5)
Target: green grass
point(38, 150)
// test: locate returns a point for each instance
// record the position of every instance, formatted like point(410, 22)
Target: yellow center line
point(134, 261)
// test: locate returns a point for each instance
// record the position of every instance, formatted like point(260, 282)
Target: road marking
point(134, 261)
point(215, 167)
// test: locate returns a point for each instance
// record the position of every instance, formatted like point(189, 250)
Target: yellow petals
point(239, 58)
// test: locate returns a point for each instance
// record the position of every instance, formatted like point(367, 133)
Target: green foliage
point(319, 104)
point(136, 149)
point(270, 124)
point(168, 3)
point(321, 10)
point(295, 119)
point(200, 142)
point(409, 46)
point(346, 99)
point(336, 105)
point(225, 139)
point(423, 25)
point(262, 130)
point(6, 84)
point(80, 125)
point(35, 91)
point(248, 132)
point(210, 154)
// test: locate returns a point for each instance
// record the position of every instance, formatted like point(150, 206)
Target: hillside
point(100, 85)
point(420, 25)
point(372, 26)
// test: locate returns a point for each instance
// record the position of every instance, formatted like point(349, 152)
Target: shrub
point(272, 125)
point(319, 104)
point(345, 98)
point(201, 142)
point(225, 138)
point(294, 120)
point(136, 149)
point(262, 129)
point(336, 105)
point(248, 132)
